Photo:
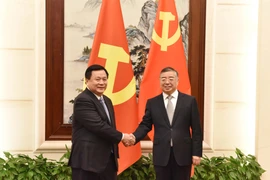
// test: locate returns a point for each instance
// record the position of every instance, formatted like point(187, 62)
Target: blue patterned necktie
point(105, 107)
point(107, 112)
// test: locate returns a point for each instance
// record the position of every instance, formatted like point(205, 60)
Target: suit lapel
point(177, 107)
point(99, 106)
point(110, 109)
point(162, 108)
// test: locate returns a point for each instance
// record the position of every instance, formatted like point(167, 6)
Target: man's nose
point(102, 81)
point(167, 80)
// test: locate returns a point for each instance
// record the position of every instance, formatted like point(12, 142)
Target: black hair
point(167, 69)
point(94, 67)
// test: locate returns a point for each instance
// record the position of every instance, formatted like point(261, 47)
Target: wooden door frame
point(55, 128)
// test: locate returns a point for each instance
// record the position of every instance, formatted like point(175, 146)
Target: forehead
point(99, 73)
point(168, 74)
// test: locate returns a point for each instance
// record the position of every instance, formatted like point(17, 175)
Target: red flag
point(110, 49)
point(166, 49)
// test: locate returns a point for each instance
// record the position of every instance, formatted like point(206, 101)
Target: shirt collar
point(174, 95)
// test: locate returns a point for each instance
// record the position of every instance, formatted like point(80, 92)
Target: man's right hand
point(128, 140)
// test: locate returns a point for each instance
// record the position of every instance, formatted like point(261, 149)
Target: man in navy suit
point(177, 140)
point(95, 139)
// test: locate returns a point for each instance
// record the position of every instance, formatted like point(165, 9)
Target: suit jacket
point(93, 136)
point(186, 117)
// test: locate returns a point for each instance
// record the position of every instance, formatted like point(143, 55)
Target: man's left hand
point(196, 160)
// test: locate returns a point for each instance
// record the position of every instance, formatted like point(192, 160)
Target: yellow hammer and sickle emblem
point(164, 41)
point(113, 55)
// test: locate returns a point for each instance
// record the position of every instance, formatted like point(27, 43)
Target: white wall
point(17, 74)
point(263, 88)
point(236, 72)
point(233, 32)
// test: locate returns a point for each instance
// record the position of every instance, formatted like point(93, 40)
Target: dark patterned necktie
point(105, 107)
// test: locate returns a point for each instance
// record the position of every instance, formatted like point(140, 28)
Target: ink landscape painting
point(81, 18)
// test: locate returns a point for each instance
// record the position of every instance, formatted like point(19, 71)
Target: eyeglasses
point(165, 79)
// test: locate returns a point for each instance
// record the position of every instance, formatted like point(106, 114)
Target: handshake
point(128, 140)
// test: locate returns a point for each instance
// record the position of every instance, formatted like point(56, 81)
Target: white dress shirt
point(174, 98)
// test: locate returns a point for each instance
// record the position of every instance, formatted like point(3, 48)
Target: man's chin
point(167, 89)
point(100, 92)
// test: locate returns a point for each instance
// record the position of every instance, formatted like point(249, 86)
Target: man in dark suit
point(95, 139)
point(177, 140)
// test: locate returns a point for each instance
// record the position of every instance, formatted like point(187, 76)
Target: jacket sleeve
point(196, 129)
point(146, 124)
